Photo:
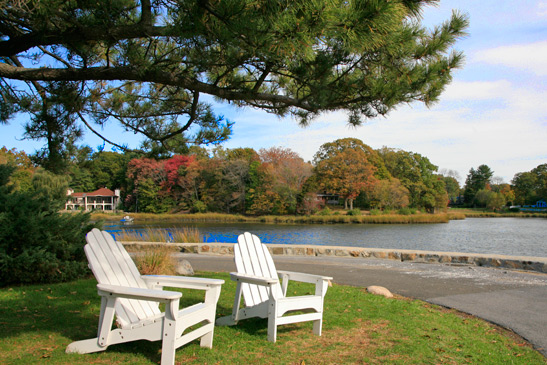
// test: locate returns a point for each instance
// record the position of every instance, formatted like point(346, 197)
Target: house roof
point(98, 192)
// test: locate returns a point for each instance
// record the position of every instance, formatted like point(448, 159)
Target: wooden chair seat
point(134, 301)
point(258, 282)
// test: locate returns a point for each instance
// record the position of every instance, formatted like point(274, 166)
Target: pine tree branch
point(77, 35)
point(101, 136)
point(144, 75)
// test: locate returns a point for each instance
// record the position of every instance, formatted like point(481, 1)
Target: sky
point(494, 112)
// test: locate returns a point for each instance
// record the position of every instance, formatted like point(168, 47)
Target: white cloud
point(542, 8)
point(476, 90)
point(503, 129)
point(531, 57)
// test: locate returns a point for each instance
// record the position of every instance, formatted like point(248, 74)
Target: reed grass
point(480, 213)
point(362, 219)
point(180, 235)
point(374, 217)
point(505, 215)
point(156, 260)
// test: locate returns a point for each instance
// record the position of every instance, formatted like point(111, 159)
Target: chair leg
point(272, 320)
point(272, 329)
point(207, 339)
point(317, 325)
point(169, 333)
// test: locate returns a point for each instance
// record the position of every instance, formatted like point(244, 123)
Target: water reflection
point(506, 236)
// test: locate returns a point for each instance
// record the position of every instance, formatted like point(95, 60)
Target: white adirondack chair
point(258, 281)
point(134, 299)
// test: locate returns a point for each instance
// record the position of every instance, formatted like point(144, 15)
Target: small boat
point(127, 219)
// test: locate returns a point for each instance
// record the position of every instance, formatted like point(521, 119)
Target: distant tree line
point(278, 181)
point(483, 189)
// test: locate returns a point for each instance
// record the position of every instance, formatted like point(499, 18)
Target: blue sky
point(494, 112)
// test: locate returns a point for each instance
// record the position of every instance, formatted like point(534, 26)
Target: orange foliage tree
point(343, 167)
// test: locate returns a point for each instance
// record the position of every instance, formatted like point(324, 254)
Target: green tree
point(417, 174)
point(452, 187)
point(51, 187)
point(476, 180)
point(495, 201)
point(530, 186)
point(146, 64)
point(109, 169)
point(21, 177)
point(37, 243)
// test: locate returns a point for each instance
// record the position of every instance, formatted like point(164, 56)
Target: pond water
point(505, 236)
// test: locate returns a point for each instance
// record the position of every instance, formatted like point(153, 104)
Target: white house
point(101, 199)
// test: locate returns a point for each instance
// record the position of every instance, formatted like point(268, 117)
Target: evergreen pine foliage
point(154, 66)
point(37, 243)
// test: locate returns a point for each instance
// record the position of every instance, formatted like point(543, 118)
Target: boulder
point(379, 290)
point(183, 267)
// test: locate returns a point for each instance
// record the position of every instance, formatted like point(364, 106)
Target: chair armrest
point(184, 282)
point(251, 279)
point(321, 282)
point(303, 277)
point(137, 293)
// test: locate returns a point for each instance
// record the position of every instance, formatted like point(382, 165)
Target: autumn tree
point(288, 173)
point(499, 186)
point(153, 66)
point(147, 177)
point(389, 194)
point(343, 167)
point(227, 177)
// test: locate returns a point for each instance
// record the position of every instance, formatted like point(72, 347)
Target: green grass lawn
point(38, 322)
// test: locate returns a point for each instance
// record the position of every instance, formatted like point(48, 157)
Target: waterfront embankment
point(527, 263)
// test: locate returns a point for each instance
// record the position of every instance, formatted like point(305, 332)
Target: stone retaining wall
point(454, 258)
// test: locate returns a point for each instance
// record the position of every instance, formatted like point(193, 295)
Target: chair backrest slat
point(251, 292)
point(253, 258)
point(111, 264)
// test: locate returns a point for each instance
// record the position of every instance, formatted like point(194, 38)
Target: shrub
point(37, 243)
point(375, 212)
point(325, 211)
point(405, 211)
point(199, 207)
point(355, 211)
point(309, 204)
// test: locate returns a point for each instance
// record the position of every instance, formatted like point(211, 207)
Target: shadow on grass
point(70, 310)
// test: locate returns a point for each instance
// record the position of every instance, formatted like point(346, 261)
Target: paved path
point(513, 299)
